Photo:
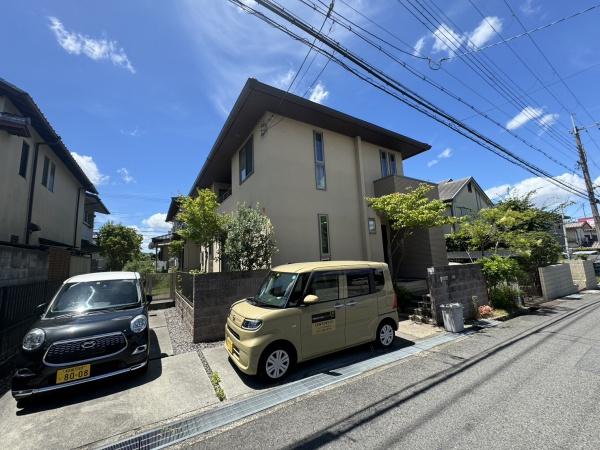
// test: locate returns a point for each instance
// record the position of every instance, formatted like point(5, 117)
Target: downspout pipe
point(32, 187)
point(76, 217)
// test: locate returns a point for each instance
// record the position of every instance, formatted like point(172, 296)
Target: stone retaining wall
point(456, 284)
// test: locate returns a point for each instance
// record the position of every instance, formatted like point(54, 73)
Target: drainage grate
point(210, 420)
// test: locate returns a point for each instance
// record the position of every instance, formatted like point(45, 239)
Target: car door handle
point(351, 303)
point(340, 305)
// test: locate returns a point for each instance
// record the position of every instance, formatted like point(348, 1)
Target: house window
point(324, 237)
point(45, 172)
point(24, 159)
point(469, 187)
point(246, 160)
point(388, 163)
point(372, 225)
point(319, 161)
point(51, 178)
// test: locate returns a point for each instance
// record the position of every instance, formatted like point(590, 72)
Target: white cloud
point(318, 94)
point(447, 153)
point(156, 222)
point(419, 45)
point(448, 40)
point(283, 81)
point(527, 114)
point(545, 194)
point(125, 175)
point(529, 7)
point(548, 120)
point(432, 163)
point(133, 133)
point(96, 49)
point(485, 31)
point(89, 167)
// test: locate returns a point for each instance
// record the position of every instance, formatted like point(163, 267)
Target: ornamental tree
point(201, 220)
point(249, 240)
point(407, 212)
point(118, 244)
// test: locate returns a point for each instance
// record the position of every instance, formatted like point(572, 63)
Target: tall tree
point(407, 212)
point(118, 244)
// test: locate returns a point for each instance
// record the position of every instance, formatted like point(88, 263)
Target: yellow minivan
point(306, 310)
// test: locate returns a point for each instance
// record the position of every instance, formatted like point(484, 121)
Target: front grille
point(85, 349)
point(233, 332)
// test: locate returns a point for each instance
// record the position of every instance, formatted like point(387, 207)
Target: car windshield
point(276, 289)
point(95, 295)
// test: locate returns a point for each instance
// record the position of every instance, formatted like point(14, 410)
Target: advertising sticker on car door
point(323, 322)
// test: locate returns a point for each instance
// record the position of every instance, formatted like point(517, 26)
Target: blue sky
point(139, 90)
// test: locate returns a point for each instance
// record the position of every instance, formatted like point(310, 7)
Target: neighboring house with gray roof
point(462, 197)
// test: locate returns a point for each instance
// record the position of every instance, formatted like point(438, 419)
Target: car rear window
point(358, 282)
point(379, 278)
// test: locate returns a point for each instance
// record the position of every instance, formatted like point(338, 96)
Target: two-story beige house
point(310, 167)
point(46, 199)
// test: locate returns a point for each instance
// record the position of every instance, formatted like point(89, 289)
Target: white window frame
point(319, 163)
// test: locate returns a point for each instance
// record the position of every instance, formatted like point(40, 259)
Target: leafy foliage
point(118, 244)
point(203, 224)
point(406, 212)
point(504, 297)
point(498, 270)
point(142, 264)
point(250, 241)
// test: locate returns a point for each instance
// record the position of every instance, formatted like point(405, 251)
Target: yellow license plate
point(72, 373)
point(229, 345)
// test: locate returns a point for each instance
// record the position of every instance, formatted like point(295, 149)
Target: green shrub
point(504, 296)
point(497, 270)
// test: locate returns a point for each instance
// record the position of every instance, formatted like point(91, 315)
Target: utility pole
point(564, 230)
point(586, 176)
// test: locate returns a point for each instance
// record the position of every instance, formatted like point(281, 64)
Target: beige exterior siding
point(54, 212)
point(284, 185)
point(466, 203)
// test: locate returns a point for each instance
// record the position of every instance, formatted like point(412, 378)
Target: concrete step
point(161, 304)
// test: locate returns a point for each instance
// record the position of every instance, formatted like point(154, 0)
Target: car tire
point(276, 363)
point(385, 334)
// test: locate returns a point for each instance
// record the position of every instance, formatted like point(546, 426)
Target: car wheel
point(276, 363)
point(385, 334)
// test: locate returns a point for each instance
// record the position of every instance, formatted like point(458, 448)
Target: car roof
point(103, 276)
point(327, 265)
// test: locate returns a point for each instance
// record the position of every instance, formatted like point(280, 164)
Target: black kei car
point(95, 327)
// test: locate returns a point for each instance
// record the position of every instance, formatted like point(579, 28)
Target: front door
point(361, 307)
point(323, 322)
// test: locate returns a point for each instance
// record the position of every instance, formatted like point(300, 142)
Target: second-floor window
point(324, 237)
point(246, 160)
point(320, 161)
point(24, 159)
point(388, 163)
point(48, 174)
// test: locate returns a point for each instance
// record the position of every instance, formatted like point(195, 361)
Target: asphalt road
point(533, 382)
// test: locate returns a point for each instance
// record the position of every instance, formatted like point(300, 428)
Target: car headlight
point(34, 339)
point(138, 323)
point(251, 324)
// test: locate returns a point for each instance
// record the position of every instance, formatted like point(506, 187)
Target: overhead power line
point(353, 29)
point(394, 87)
point(525, 33)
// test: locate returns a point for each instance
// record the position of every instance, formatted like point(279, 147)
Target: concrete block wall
point(557, 281)
point(19, 265)
point(456, 284)
point(206, 313)
point(583, 274)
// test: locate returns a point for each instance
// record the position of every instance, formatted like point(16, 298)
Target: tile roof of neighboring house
point(257, 98)
point(23, 101)
point(575, 225)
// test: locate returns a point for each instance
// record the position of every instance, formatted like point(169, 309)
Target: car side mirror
point(310, 299)
point(148, 298)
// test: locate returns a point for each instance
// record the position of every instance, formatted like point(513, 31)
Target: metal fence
point(18, 310)
point(184, 284)
point(159, 285)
